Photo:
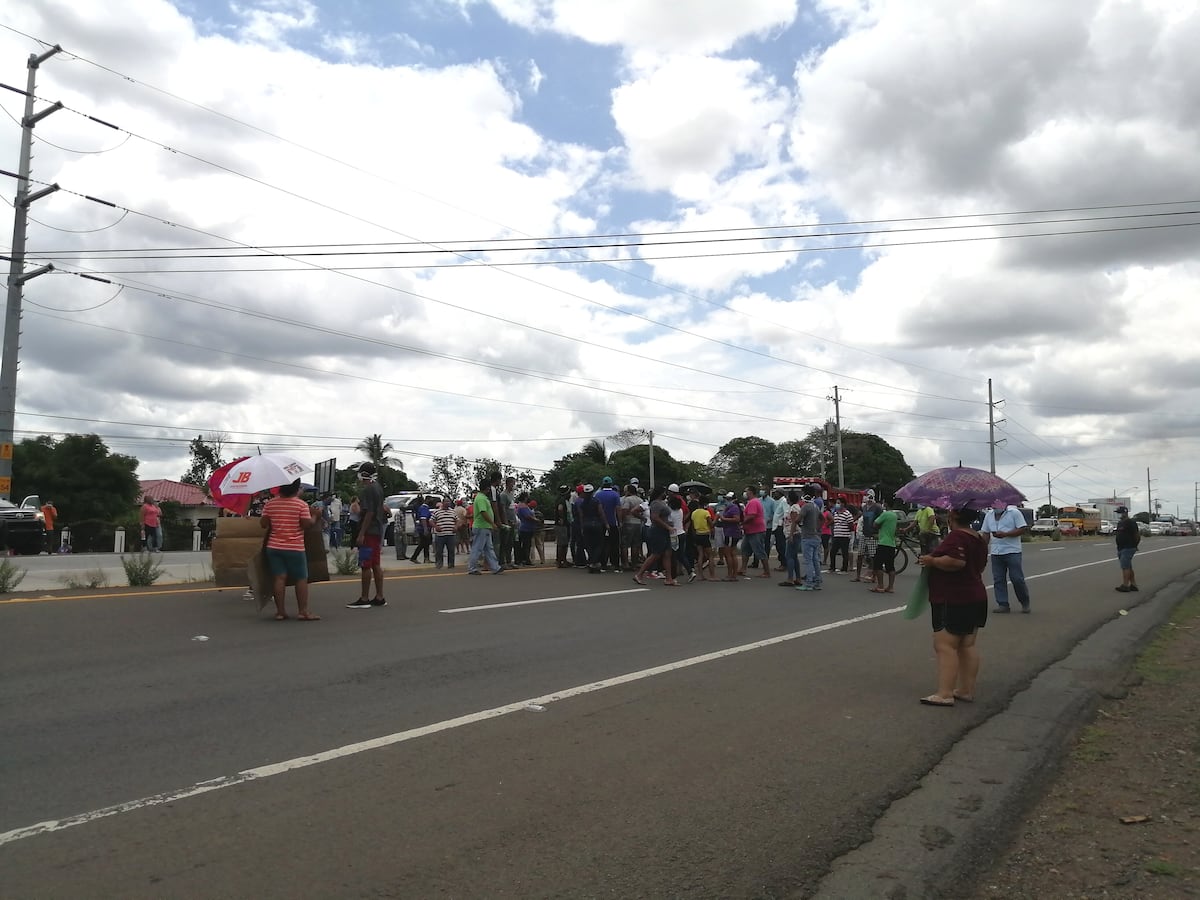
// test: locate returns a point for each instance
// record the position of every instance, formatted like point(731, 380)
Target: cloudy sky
point(503, 227)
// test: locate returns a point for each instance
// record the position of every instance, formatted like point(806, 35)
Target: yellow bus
point(1085, 518)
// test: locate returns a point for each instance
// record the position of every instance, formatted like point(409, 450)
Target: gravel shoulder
point(1121, 818)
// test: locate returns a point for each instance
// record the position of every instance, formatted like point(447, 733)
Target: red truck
point(818, 487)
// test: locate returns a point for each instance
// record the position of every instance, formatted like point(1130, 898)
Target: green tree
point(79, 474)
point(870, 461)
point(634, 462)
point(378, 452)
point(207, 456)
point(596, 451)
point(743, 460)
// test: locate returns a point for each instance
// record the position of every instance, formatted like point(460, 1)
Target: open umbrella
point(237, 503)
point(259, 473)
point(959, 487)
point(700, 487)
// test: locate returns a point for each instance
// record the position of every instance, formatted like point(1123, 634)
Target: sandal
point(877, 591)
point(935, 700)
point(280, 617)
point(964, 698)
point(308, 617)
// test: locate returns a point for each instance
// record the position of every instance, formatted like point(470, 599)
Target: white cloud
point(709, 26)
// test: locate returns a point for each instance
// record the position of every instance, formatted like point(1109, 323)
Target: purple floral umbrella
point(959, 487)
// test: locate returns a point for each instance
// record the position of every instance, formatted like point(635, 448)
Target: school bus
point(1085, 518)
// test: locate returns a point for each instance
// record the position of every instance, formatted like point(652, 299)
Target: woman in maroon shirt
point(958, 603)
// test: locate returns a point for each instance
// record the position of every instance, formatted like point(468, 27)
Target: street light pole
point(1049, 481)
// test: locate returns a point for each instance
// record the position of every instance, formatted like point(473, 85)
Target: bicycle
point(906, 541)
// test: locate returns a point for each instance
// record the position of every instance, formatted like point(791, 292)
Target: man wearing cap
point(631, 528)
point(372, 519)
point(1003, 526)
point(562, 525)
point(609, 499)
point(1128, 537)
point(592, 519)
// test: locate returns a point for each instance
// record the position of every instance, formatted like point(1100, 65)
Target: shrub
point(141, 570)
point(10, 576)
point(92, 579)
point(1056, 535)
point(345, 562)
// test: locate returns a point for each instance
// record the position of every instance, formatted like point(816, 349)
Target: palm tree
point(596, 451)
point(374, 449)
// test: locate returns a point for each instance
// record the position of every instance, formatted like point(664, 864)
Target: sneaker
point(804, 587)
point(475, 572)
point(691, 577)
point(1133, 587)
point(360, 603)
point(1026, 610)
point(1003, 609)
point(500, 571)
point(378, 601)
point(1124, 589)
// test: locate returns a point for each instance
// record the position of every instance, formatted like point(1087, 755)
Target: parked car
point(1143, 529)
point(1158, 527)
point(1180, 529)
point(1044, 526)
point(1106, 527)
point(21, 529)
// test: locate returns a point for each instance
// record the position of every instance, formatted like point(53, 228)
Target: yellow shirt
point(926, 520)
point(701, 523)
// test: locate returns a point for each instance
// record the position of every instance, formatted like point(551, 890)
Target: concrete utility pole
point(837, 420)
point(1149, 504)
point(650, 435)
point(17, 276)
point(992, 423)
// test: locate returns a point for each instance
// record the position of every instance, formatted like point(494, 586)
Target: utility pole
point(1149, 505)
point(992, 423)
point(1049, 497)
point(17, 276)
point(837, 420)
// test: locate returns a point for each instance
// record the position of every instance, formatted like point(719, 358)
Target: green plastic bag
point(919, 598)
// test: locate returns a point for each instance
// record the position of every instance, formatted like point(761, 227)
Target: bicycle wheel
point(901, 559)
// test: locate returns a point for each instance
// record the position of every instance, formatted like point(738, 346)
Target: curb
point(933, 840)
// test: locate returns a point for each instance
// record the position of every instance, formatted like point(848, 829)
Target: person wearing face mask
point(1003, 526)
point(843, 528)
point(754, 522)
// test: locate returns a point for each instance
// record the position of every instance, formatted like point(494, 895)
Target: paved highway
point(543, 733)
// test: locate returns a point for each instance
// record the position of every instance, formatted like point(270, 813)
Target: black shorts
point(885, 558)
point(657, 542)
point(959, 619)
point(702, 540)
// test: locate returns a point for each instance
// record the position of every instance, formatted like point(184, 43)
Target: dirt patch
point(1138, 761)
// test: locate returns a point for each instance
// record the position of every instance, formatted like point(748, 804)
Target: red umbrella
point(237, 503)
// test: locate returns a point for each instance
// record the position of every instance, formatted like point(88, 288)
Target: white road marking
point(1048, 549)
point(462, 609)
point(400, 737)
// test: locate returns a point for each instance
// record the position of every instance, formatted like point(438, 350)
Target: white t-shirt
point(1009, 520)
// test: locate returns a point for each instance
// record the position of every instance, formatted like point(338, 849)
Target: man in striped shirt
point(843, 528)
point(445, 533)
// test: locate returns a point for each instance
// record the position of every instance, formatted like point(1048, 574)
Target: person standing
point(609, 499)
point(631, 528)
point(335, 522)
point(775, 528)
point(49, 513)
point(658, 541)
point(793, 549)
point(810, 544)
point(1003, 526)
point(755, 524)
point(1128, 537)
point(445, 534)
point(354, 520)
point(592, 519)
point(424, 528)
point(868, 539)
point(482, 531)
point(285, 518)
point(372, 521)
point(505, 511)
point(730, 519)
point(562, 525)
point(843, 530)
point(151, 525)
point(885, 551)
point(527, 525)
point(927, 529)
point(958, 607)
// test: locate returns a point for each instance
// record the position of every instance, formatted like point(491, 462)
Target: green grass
point(1090, 746)
point(1164, 868)
point(1152, 664)
point(89, 580)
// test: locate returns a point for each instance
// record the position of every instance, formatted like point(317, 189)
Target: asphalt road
point(389, 753)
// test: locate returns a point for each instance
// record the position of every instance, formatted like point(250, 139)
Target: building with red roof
point(194, 502)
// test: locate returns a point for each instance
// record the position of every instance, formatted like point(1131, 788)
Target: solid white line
point(399, 737)
point(1048, 549)
point(303, 762)
point(461, 609)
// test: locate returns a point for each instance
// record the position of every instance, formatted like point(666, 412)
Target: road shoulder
point(936, 839)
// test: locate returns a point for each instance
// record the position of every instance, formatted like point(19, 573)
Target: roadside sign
point(5, 485)
point(6, 451)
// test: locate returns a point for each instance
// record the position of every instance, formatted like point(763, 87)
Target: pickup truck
point(1044, 526)
point(22, 530)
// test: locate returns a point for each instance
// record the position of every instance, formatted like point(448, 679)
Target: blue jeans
point(1008, 565)
point(481, 545)
point(758, 548)
point(792, 552)
point(812, 561)
point(447, 543)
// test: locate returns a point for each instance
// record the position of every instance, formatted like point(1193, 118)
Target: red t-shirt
point(287, 515)
point(965, 585)
point(754, 518)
